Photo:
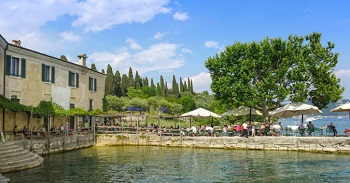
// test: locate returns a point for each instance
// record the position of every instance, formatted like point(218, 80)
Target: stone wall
point(49, 145)
point(311, 144)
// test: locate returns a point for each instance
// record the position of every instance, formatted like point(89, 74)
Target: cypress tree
point(93, 67)
point(175, 87)
point(159, 90)
point(131, 78)
point(145, 82)
point(124, 85)
point(181, 85)
point(162, 86)
point(138, 81)
point(152, 84)
point(185, 87)
point(109, 81)
point(118, 84)
point(166, 90)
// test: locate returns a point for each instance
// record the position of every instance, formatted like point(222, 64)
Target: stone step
point(9, 148)
point(14, 158)
point(3, 157)
point(10, 151)
point(18, 167)
point(19, 161)
point(20, 156)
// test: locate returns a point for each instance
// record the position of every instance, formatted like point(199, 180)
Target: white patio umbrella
point(243, 111)
point(295, 109)
point(342, 108)
point(200, 112)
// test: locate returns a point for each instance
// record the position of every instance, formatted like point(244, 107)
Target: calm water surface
point(160, 164)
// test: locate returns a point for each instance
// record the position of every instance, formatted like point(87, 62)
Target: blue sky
point(169, 36)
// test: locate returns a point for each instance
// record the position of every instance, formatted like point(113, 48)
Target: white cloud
point(211, 44)
point(70, 36)
point(23, 19)
point(133, 44)
point(97, 15)
point(180, 16)
point(201, 82)
point(186, 50)
point(159, 36)
point(157, 57)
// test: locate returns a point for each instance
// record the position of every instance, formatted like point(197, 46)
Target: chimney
point(82, 59)
point(17, 42)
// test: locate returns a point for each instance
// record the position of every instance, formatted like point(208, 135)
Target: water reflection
point(157, 164)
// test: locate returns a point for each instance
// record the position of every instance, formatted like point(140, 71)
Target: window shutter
point(23, 68)
point(90, 83)
point(8, 64)
point(95, 85)
point(52, 74)
point(77, 80)
point(69, 78)
point(43, 72)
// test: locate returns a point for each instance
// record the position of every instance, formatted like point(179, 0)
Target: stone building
point(28, 76)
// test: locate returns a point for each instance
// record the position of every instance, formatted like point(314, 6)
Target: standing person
point(310, 128)
point(245, 129)
point(253, 130)
point(333, 129)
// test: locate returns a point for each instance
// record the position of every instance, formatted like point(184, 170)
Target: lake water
point(340, 122)
point(186, 165)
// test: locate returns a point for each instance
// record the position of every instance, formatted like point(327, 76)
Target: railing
point(21, 135)
point(217, 132)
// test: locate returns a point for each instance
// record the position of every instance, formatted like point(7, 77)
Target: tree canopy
point(264, 74)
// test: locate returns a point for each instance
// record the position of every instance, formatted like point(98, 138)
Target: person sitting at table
point(333, 129)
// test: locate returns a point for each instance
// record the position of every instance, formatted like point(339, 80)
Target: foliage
point(77, 112)
point(264, 74)
point(138, 102)
point(93, 67)
point(187, 103)
point(12, 106)
point(115, 103)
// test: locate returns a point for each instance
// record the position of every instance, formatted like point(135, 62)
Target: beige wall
point(31, 90)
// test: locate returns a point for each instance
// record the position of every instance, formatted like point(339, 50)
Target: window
point(71, 106)
point(73, 79)
point(14, 99)
point(15, 66)
point(48, 73)
point(91, 104)
point(92, 84)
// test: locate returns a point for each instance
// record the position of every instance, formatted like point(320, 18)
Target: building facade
point(30, 77)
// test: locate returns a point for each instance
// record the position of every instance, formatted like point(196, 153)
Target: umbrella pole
point(302, 118)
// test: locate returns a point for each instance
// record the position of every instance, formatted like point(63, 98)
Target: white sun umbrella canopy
point(295, 109)
point(242, 111)
point(200, 112)
point(342, 108)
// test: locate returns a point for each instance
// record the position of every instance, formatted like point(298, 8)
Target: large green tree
point(264, 74)
point(109, 88)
